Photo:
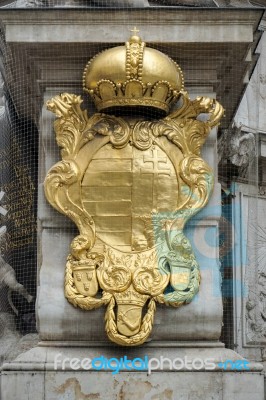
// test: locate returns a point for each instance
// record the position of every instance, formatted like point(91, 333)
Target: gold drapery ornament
point(130, 185)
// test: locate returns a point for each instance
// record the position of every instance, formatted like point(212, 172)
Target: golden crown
point(131, 297)
point(133, 76)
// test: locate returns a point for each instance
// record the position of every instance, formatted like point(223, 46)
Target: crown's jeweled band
point(138, 82)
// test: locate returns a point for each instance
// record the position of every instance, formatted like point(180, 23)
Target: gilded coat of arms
point(130, 178)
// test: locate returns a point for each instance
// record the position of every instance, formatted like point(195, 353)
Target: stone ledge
point(32, 375)
point(42, 358)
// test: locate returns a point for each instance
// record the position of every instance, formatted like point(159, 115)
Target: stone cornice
point(215, 16)
point(55, 45)
point(212, 25)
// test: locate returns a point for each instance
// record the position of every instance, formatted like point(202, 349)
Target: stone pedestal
point(45, 373)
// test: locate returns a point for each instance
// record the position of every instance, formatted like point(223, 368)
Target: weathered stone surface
point(162, 383)
point(192, 386)
point(251, 113)
point(133, 3)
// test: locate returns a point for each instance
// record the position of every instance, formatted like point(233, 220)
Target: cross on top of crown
point(135, 31)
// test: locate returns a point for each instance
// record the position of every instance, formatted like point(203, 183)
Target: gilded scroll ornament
point(130, 184)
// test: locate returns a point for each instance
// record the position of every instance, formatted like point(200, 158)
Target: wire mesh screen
point(19, 171)
point(35, 237)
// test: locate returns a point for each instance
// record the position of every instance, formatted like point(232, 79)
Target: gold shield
point(122, 188)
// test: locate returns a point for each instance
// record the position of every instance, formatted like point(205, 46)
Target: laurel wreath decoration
point(140, 337)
